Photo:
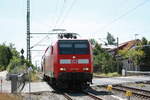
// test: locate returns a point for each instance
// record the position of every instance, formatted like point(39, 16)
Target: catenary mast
point(28, 31)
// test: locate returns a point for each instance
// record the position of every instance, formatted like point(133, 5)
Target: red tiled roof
point(126, 45)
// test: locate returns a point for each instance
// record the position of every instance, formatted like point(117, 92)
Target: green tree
point(110, 39)
point(144, 41)
point(134, 54)
point(10, 59)
point(14, 65)
point(145, 60)
point(13, 50)
point(140, 56)
point(103, 61)
point(93, 42)
point(5, 56)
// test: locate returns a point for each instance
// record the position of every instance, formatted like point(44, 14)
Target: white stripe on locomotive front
point(79, 61)
point(65, 61)
point(83, 61)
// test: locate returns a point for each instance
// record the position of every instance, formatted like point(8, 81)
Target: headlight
point(62, 69)
point(85, 68)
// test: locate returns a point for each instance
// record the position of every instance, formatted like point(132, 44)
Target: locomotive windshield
point(73, 47)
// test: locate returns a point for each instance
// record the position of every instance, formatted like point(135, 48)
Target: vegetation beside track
point(114, 74)
point(15, 63)
point(106, 62)
point(103, 61)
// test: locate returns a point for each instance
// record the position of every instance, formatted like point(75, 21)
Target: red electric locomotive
point(68, 63)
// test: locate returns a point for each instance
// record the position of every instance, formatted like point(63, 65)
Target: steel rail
point(92, 95)
point(133, 92)
point(67, 96)
point(136, 89)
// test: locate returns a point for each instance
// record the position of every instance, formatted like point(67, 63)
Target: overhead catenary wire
point(68, 11)
point(123, 15)
point(40, 41)
point(64, 15)
point(59, 16)
point(54, 18)
point(58, 19)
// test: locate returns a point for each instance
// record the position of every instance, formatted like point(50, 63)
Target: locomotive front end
point(75, 63)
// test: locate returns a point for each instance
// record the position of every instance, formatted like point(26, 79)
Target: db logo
point(74, 61)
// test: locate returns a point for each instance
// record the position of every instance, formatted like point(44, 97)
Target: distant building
point(126, 45)
point(127, 63)
point(108, 47)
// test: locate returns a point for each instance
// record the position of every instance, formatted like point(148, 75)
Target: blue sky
point(90, 18)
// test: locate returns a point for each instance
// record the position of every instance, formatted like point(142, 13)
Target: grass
point(34, 76)
point(141, 85)
point(5, 96)
point(114, 74)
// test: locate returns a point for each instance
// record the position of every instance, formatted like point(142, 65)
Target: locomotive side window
point(51, 49)
point(47, 52)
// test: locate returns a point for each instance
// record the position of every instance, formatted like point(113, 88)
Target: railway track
point(100, 76)
point(147, 92)
point(135, 92)
point(148, 82)
point(67, 96)
point(86, 93)
point(92, 95)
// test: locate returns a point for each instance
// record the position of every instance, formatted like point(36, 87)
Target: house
point(126, 45)
point(127, 64)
